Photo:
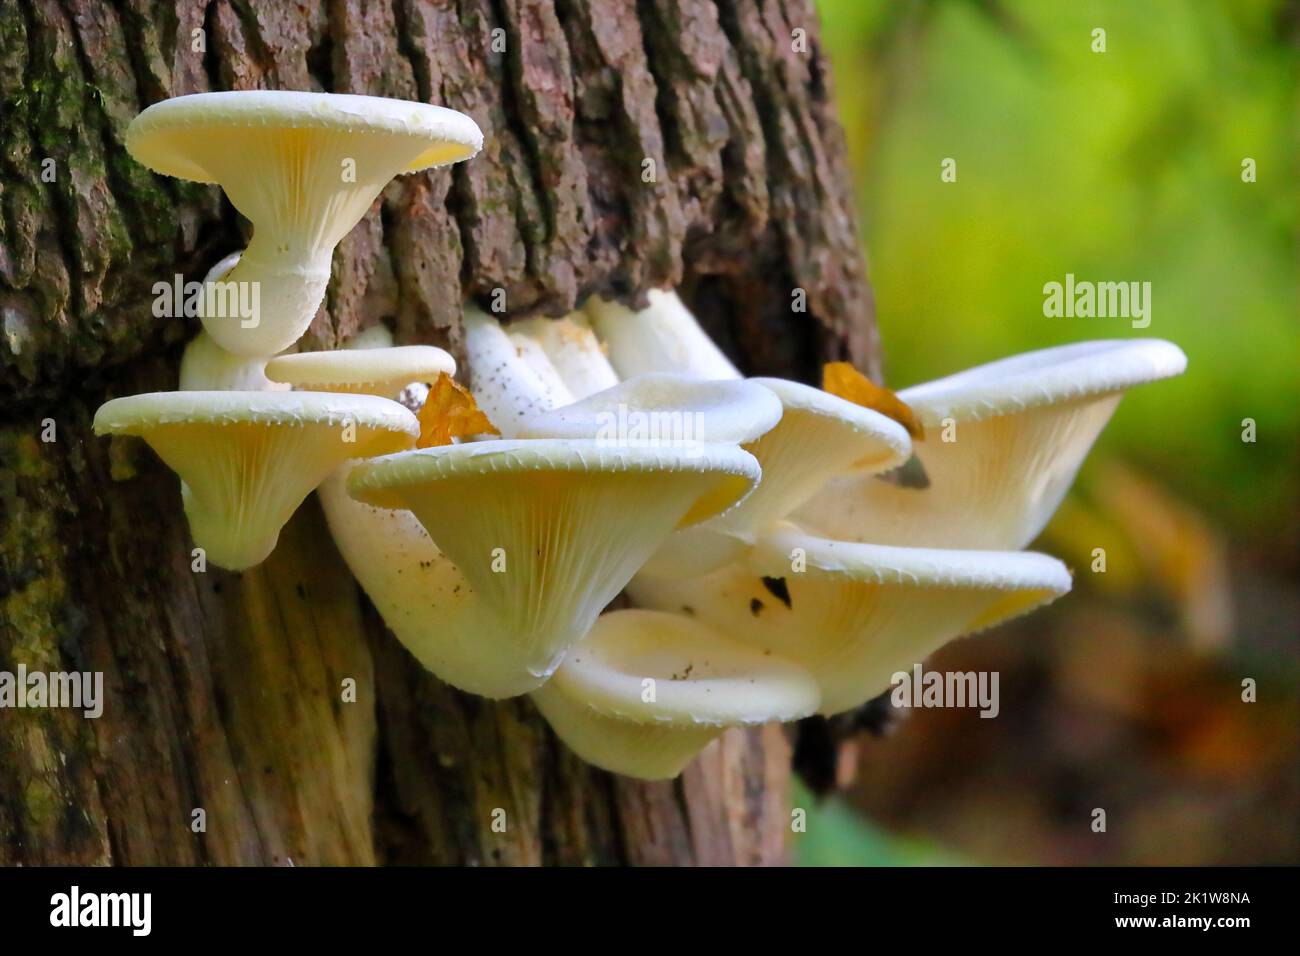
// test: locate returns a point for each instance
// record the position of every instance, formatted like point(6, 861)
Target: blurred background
point(1123, 166)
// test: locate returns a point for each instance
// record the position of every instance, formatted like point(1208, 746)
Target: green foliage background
point(1117, 166)
point(1123, 165)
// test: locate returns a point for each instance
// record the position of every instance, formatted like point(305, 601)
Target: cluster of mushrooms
point(787, 548)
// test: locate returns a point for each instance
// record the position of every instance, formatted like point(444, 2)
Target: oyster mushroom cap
point(303, 168)
point(857, 613)
point(645, 691)
point(701, 676)
point(716, 474)
point(548, 532)
point(1004, 443)
point(368, 371)
point(247, 459)
point(663, 337)
point(856, 437)
point(1051, 376)
point(662, 409)
point(818, 437)
point(169, 137)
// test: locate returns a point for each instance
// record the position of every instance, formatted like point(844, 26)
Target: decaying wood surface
point(630, 144)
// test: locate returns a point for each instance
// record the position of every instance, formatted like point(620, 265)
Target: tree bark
point(630, 144)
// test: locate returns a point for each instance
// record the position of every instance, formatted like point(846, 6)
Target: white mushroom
point(574, 351)
point(663, 337)
point(645, 692)
point(421, 595)
point(855, 614)
point(247, 459)
point(366, 371)
point(557, 393)
point(303, 168)
point(207, 367)
point(546, 533)
point(505, 386)
point(1003, 444)
point(818, 437)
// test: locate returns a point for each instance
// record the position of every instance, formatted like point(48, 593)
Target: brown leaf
point(844, 381)
point(450, 412)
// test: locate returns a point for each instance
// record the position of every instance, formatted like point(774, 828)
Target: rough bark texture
point(223, 691)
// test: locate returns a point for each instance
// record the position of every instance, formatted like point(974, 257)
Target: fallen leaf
point(844, 381)
point(450, 412)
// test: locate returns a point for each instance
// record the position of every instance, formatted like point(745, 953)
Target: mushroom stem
point(206, 366)
point(505, 386)
point(375, 337)
point(574, 351)
point(557, 393)
point(663, 337)
point(265, 303)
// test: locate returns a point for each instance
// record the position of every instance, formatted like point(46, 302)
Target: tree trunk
point(629, 144)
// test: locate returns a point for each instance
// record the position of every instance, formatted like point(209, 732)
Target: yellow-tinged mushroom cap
point(169, 137)
point(303, 168)
point(1003, 444)
point(708, 477)
point(548, 532)
point(855, 614)
point(818, 437)
point(247, 459)
point(369, 371)
point(646, 691)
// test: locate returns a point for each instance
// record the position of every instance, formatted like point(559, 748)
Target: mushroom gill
point(247, 459)
point(645, 692)
point(548, 532)
point(303, 168)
